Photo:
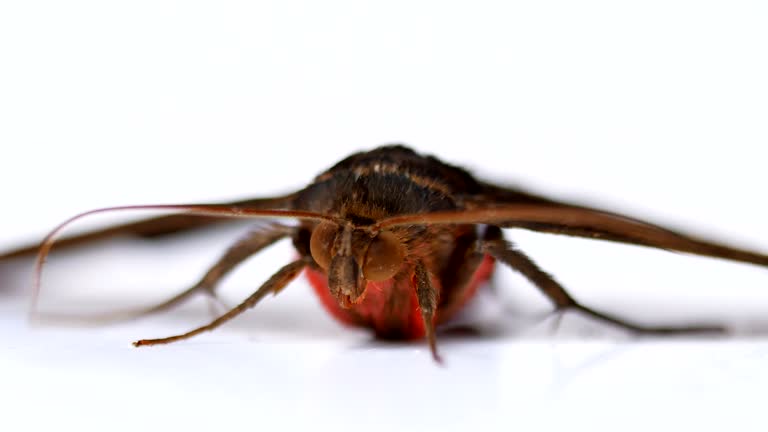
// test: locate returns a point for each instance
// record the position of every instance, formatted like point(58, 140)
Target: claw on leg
point(251, 244)
point(277, 282)
point(505, 252)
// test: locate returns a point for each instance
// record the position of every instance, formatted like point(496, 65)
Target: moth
point(398, 242)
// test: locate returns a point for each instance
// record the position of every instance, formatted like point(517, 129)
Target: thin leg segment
point(428, 300)
point(253, 243)
point(506, 252)
point(459, 272)
point(274, 285)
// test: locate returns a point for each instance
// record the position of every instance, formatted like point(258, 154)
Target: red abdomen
point(390, 307)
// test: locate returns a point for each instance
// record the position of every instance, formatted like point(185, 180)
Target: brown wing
point(510, 208)
point(497, 196)
point(157, 226)
point(491, 193)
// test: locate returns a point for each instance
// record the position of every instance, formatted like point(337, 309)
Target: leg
point(506, 252)
point(253, 243)
point(458, 274)
point(428, 298)
point(274, 285)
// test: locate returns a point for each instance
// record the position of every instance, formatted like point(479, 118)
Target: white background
point(657, 109)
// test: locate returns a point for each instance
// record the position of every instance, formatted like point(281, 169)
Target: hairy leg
point(274, 285)
point(506, 252)
point(253, 243)
point(428, 298)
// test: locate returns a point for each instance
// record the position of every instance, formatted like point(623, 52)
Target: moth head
point(352, 257)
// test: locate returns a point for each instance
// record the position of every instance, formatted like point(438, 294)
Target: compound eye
point(384, 257)
point(321, 242)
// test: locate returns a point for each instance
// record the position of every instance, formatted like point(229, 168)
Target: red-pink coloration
point(390, 307)
point(396, 236)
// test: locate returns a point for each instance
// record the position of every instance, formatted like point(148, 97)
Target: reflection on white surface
point(96, 379)
point(656, 108)
point(286, 364)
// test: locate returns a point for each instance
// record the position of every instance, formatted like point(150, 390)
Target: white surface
point(656, 109)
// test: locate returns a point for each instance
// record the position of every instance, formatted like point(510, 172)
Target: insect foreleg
point(252, 244)
point(505, 252)
point(275, 284)
point(461, 269)
point(428, 300)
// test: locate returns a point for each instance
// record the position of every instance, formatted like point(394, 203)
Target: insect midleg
point(458, 275)
point(505, 251)
point(428, 298)
point(273, 285)
point(252, 244)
